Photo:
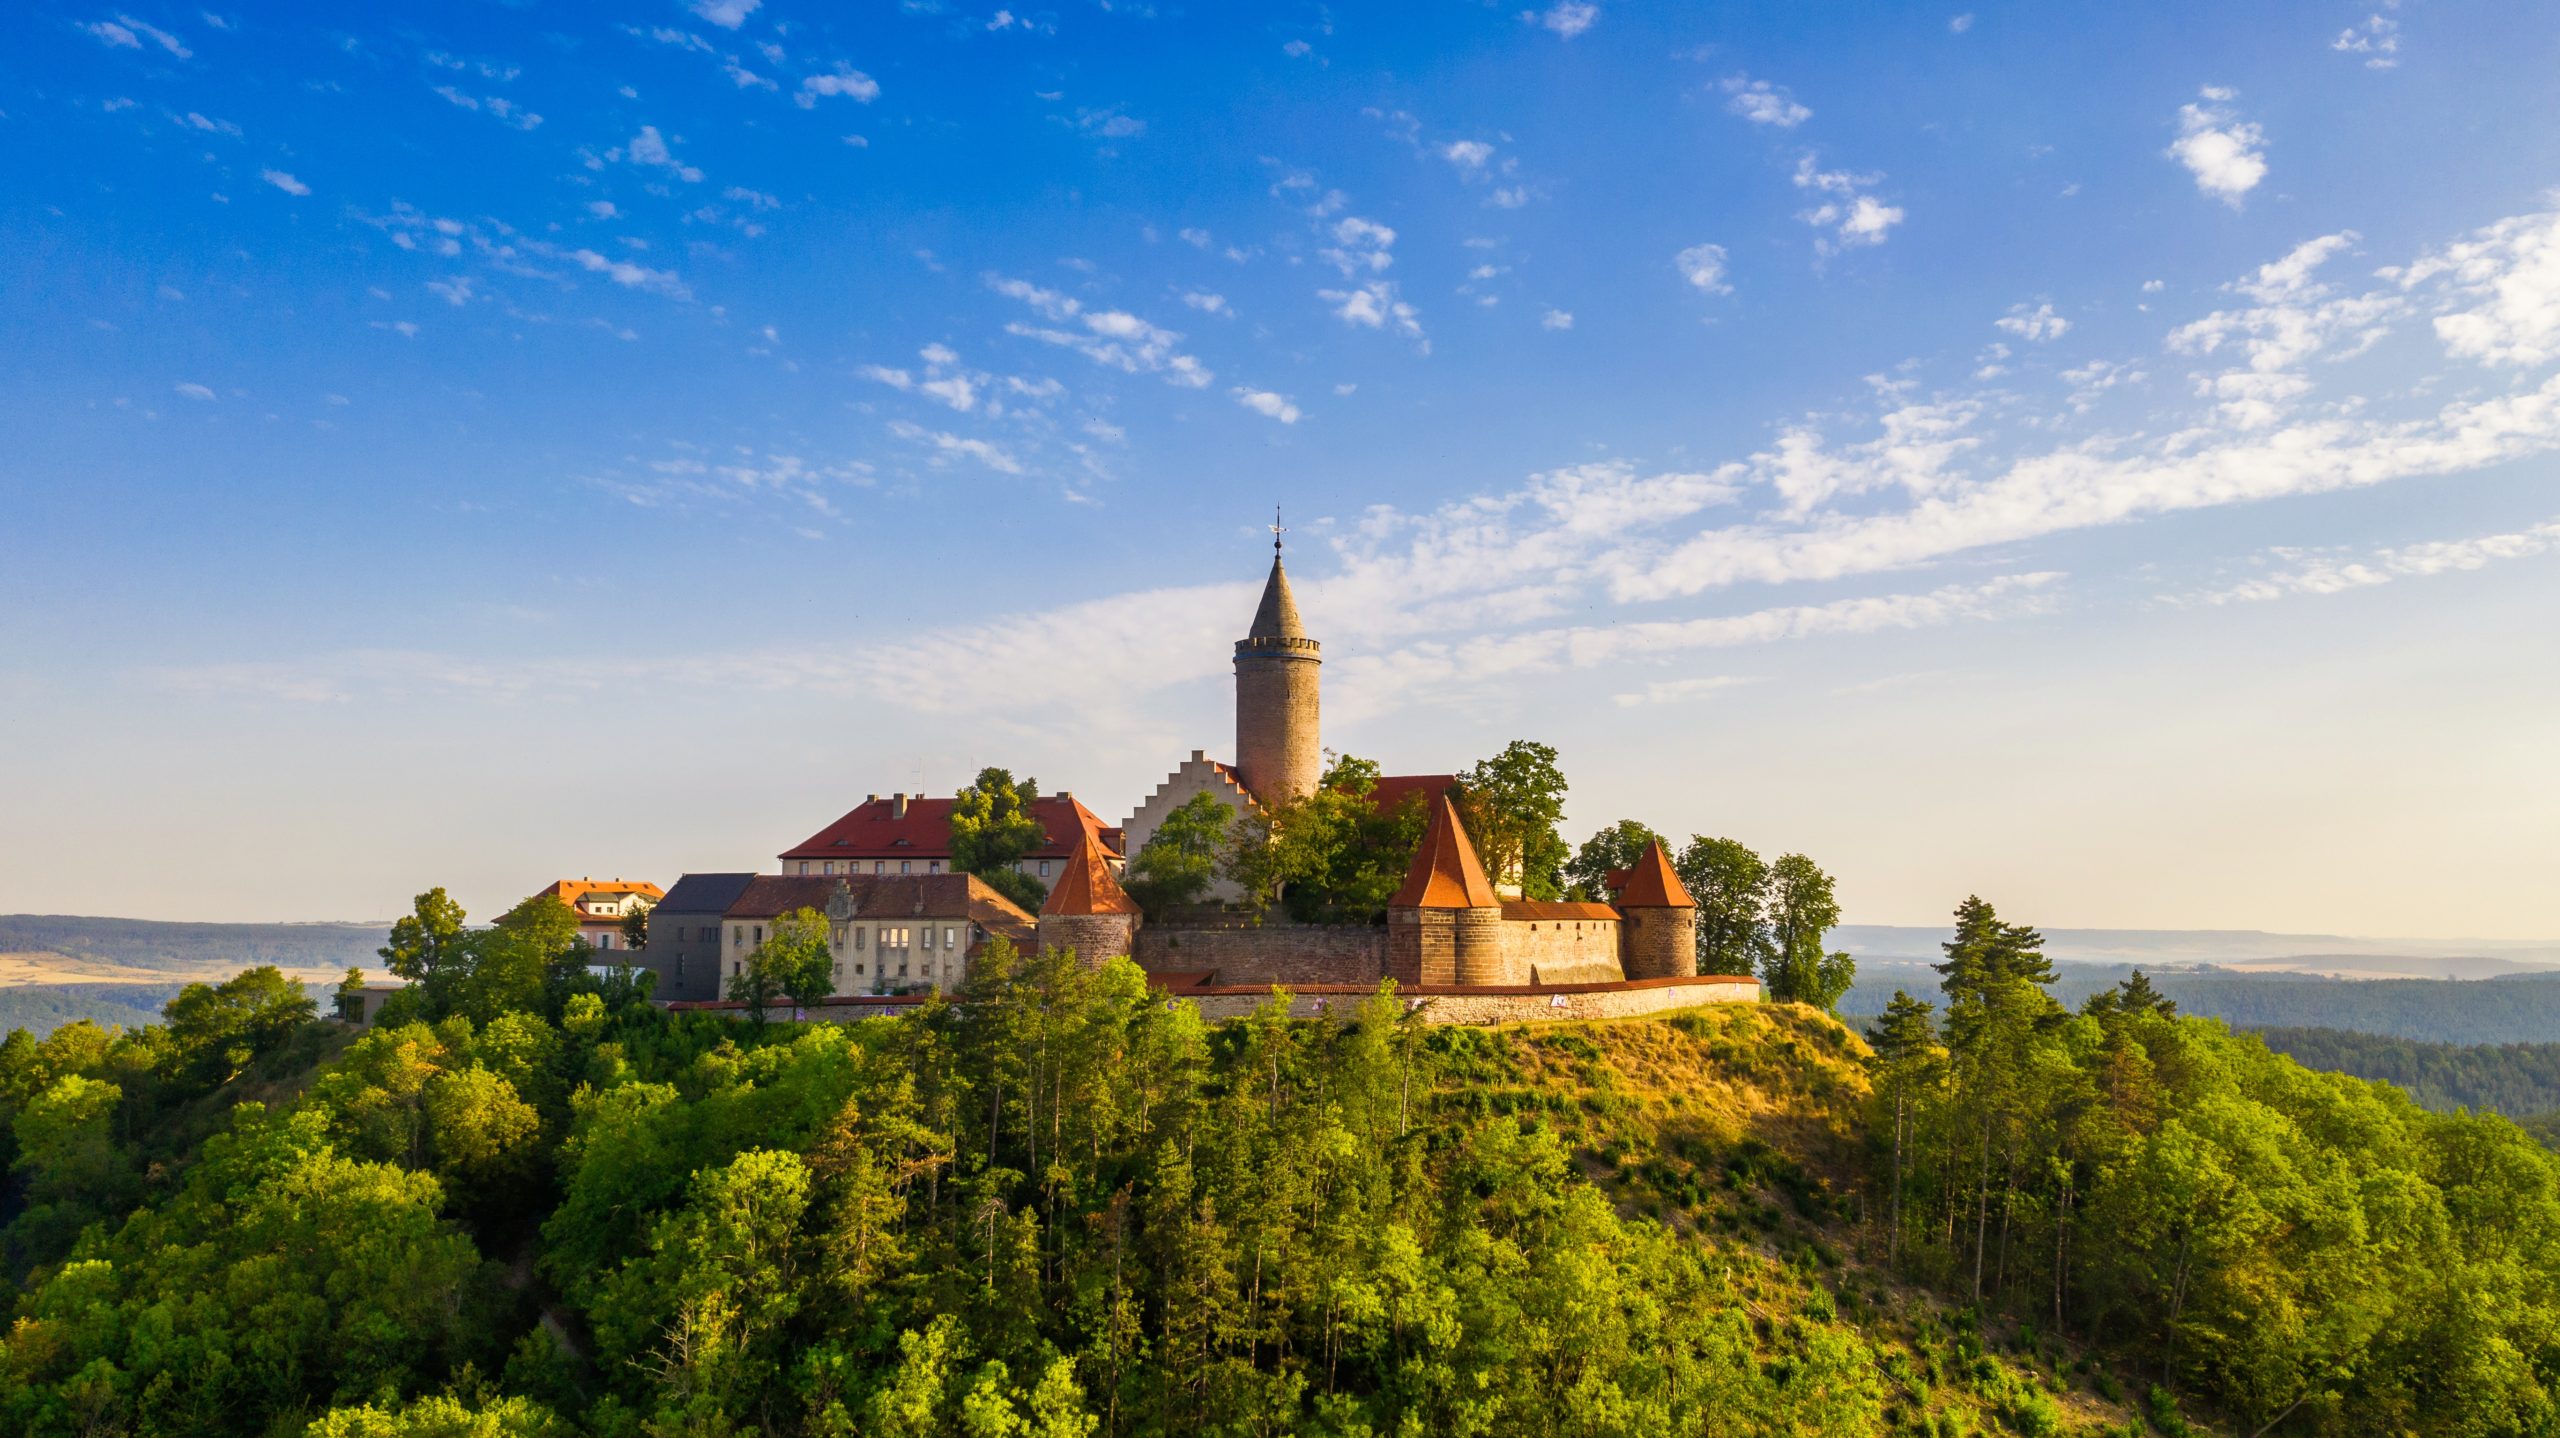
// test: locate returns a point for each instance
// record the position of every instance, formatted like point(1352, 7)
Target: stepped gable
point(1650, 882)
point(1446, 873)
point(1087, 886)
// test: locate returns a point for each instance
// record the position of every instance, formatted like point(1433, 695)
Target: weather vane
point(1277, 529)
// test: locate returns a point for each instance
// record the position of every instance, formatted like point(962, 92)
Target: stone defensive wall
point(1259, 956)
point(1439, 1003)
point(1475, 1004)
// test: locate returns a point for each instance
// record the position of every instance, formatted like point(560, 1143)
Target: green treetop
point(1512, 803)
point(1613, 848)
point(1731, 887)
point(1802, 909)
point(992, 828)
point(1180, 858)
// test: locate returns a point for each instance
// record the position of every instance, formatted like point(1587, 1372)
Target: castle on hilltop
point(1473, 949)
point(1450, 934)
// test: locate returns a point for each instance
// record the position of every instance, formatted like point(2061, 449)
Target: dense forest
point(2518, 1080)
point(531, 1203)
point(2521, 1009)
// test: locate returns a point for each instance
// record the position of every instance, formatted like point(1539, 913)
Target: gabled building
point(905, 836)
point(602, 905)
point(889, 933)
point(687, 935)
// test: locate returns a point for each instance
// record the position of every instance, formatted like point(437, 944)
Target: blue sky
point(2100, 459)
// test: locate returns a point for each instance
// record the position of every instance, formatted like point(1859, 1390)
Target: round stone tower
point(1658, 921)
point(1279, 748)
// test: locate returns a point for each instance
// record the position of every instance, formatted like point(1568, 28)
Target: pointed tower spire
point(1446, 873)
point(1087, 886)
point(1278, 616)
point(1651, 882)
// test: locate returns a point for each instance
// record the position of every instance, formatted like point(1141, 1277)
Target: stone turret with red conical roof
point(1445, 925)
point(1657, 920)
point(1087, 911)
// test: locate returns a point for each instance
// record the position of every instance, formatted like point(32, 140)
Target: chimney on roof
point(870, 798)
point(897, 806)
point(1067, 795)
point(1199, 756)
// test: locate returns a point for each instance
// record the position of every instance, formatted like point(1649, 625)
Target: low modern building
point(905, 836)
point(686, 935)
point(602, 905)
point(890, 933)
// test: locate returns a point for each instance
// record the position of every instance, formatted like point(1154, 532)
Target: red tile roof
point(1392, 789)
point(1087, 886)
point(1651, 884)
point(1446, 873)
point(1516, 910)
point(873, 830)
point(574, 892)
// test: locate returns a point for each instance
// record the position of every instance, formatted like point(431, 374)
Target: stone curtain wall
point(1633, 999)
point(1561, 951)
point(1291, 954)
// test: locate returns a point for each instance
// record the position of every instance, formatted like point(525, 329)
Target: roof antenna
point(1277, 529)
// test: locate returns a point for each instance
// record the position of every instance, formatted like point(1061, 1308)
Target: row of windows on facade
point(925, 970)
point(827, 867)
point(890, 938)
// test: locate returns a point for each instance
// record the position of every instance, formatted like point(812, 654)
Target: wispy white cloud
point(1556, 320)
point(194, 391)
point(1703, 267)
point(1567, 18)
point(1763, 103)
point(844, 80)
point(1264, 402)
point(126, 33)
point(2036, 325)
point(986, 452)
point(2377, 39)
point(1110, 337)
point(2225, 153)
point(650, 149)
point(285, 182)
point(727, 14)
point(1851, 214)
point(1674, 691)
point(2337, 571)
point(499, 106)
point(631, 276)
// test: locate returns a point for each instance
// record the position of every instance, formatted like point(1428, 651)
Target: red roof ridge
point(1446, 873)
point(1087, 886)
point(1651, 882)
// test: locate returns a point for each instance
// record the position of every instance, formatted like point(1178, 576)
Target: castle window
point(933, 866)
point(804, 866)
point(879, 866)
point(906, 866)
point(830, 866)
point(950, 937)
point(1044, 868)
point(858, 936)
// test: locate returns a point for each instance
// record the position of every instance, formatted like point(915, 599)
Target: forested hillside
point(2518, 1080)
point(534, 1204)
point(2521, 1009)
point(182, 947)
